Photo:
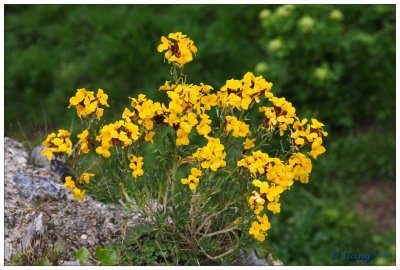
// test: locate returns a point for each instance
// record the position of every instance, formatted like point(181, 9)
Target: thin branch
point(227, 229)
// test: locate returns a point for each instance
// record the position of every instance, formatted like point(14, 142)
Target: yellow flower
point(204, 128)
point(78, 98)
point(193, 179)
point(238, 128)
point(273, 192)
point(78, 194)
point(264, 187)
point(196, 172)
point(69, 183)
point(48, 153)
point(102, 97)
point(182, 137)
point(209, 101)
point(317, 148)
point(256, 231)
point(103, 151)
point(264, 222)
point(275, 207)
point(149, 136)
point(84, 143)
point(248, 144)
point(85, 177)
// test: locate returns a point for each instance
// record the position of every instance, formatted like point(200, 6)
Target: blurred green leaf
point(107, 256)
point(82, 255)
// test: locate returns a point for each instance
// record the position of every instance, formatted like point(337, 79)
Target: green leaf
point(44, 262)
point(59, 248)
point(82, 255)
point(134, 233)
point(106, 256)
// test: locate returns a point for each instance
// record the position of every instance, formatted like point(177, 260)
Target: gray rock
point(274, 262)
point(34, 188)
point(36, 158)
point(35, 231)
point(61, 169)
point(250, 259)
point(253, 260)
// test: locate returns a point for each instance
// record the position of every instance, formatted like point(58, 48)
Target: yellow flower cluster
point(240, 94)
point(258, 228)
point(146, 112)
point(212, 155)
point(87, 104)
point(193, 178)
point(120, 133)
point(278, 175)
point(57, 143)
point(281, 115)
point(238, 128)
point(187, 109)
point(78, 193)
point(312, 135)
point(84, 142)
point(179, 50)
point(136, 164)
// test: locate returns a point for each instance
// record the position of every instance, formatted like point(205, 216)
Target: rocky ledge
point(40, 211)
point(39, 208)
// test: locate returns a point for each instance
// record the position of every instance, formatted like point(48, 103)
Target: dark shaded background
point(338, 68)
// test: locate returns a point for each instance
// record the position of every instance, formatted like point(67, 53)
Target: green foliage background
point(339, 69)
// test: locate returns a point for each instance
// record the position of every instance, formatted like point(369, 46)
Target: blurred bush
point(339, 60)
point(51, 50)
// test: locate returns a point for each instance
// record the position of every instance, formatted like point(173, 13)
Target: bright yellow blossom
point(178, 51)
point(136, 164)
point(69, 183)
point(85, 177)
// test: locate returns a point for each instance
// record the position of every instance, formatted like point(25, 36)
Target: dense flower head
point(302, 167)
point(238, 128)
point(57, 143)
point(145, 112)
point(281, 115)
point(136, 164)
point(212, 155)
point(179, 48)
point(87, 104)
point(259, 228)
point(240, 94)
point(310, 135)
point(120, 133)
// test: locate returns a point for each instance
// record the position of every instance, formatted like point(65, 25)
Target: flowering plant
point(211, 196)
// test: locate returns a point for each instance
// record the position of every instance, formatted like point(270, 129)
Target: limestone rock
point(38, 206)
point(36, 158)
point(33, 188)
point(253, 260)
